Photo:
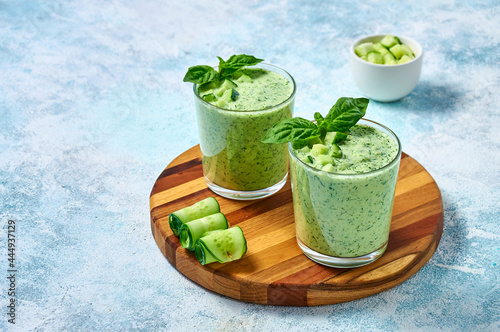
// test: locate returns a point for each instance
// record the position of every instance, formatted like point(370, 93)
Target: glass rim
point(391, 163)
point(259, 65)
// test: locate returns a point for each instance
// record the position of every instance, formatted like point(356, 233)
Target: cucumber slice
point(222, 246)
point(198, 210)
point(389, 41)
point(195, 229)
point(364, 48)
point(318, 149)
point(375, 57)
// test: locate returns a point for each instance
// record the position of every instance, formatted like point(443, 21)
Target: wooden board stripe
point(274, 271)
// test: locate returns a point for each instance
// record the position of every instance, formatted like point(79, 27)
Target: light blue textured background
point(93, 107)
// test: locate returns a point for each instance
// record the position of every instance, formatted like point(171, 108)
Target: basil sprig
point(204, 74)
point(343, 115)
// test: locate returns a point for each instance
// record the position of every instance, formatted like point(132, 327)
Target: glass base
point(342, 262)
point(245, 195)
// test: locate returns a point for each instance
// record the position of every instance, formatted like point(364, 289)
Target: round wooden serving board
point(274, 271)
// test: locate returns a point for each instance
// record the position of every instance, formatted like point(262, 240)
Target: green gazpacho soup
point(343, 200)
point(233, 116)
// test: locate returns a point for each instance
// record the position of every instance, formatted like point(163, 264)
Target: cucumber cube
point(364, 49)
point(244, 78)
point(234, 94)
point(304, 158)
point(389, 59)
point(209, 97)
point(330, 137)
point(221, 103)
point(305, 149)
point(319, 149)
point(228, 84)
point(381, 49)
point(399, 50)
point(334, 136)
point(405, 58)
point(389, 41)
point(324, 159)
point(226, 96)
point(375, 57)
point(312, 141)
point(335, 151)
point(207, 88)
point(220, 91)
point(328, 168)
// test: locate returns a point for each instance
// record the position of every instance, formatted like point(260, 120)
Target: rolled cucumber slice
point(221, 246)
point(195, 229)
point(198, 210)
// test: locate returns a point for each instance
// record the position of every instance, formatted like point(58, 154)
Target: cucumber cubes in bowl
point(388, 51)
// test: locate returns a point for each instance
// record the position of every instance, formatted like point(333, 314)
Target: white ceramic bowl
point(386, 83)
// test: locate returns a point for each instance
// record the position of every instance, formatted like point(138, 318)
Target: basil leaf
point(300, 143)
point(339, 137)
point(201, 74)
point(319, 118)
point(221, 62)
point(288, 130)
point(236, 62)
point(345, 113)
